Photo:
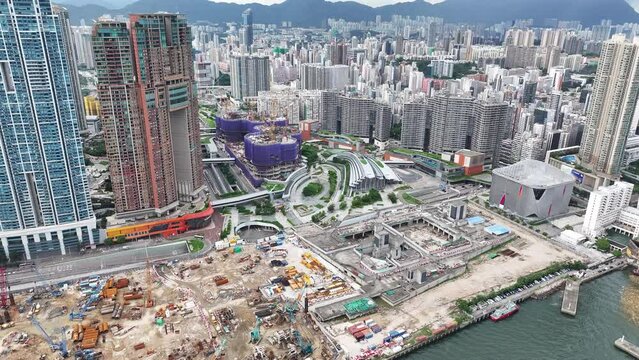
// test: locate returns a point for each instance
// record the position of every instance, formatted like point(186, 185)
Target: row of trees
point(465, 305)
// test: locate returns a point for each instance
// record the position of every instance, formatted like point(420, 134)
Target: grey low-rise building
point(531, 188)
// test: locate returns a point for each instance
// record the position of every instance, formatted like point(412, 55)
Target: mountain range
point(306, 13)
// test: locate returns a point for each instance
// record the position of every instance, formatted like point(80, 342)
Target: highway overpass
point(236, 200)
point(226, 160)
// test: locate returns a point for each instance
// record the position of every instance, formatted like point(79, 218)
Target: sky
point(121, 3)
point(373, 3)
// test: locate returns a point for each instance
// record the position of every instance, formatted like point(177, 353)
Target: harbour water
point(608, 308)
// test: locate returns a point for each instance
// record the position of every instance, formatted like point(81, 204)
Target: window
point(539, 193)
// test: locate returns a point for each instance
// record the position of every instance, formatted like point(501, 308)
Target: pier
point(627, 347)
point(571, 297)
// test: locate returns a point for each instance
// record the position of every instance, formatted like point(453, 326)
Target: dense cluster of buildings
point(465, 97)
point(523, 95)
point(450, 122)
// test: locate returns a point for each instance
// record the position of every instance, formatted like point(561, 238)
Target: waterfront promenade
point(484, 312)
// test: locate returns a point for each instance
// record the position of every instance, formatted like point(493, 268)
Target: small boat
point(504, 312)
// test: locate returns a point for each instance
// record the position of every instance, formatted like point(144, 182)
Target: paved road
point(86, 266)
point(112, 260)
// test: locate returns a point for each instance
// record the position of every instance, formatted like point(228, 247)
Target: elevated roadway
point(226, 160)
point(240, 199)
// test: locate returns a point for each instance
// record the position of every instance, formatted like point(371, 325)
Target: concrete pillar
point(25, 243)
point(91, 241)
point(5, 246)
point(78, 233)
point(63, 251)
point(48, 237)
point(36, 239)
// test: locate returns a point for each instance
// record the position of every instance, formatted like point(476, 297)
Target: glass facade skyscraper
point(44, 196)
point(247, 26)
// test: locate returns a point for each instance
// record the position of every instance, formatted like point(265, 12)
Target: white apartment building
point(628, 222)
point(604, 207)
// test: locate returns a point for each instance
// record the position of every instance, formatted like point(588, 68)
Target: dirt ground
point(192, 329)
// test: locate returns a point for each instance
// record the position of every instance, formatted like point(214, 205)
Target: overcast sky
point(116, 4)
point(367, 2)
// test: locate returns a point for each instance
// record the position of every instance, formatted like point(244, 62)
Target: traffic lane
point(86, 265)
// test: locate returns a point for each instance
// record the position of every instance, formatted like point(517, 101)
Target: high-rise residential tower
point(320, 77)
point(44, 195)
point(149, 107)
point(611, 108)
point(490, 118)
point(249, 75)
point(355, 115)
point(69, 44)
point(83, 48)
point(122, 118)
point(450, 122)
point(167, 97)
point(416, 124)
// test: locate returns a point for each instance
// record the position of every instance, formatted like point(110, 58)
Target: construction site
point(246, 302)
point(370, 286)
point(411, 264)
point(263, 147)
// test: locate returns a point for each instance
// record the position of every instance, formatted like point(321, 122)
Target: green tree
point(318, 217)
point(392, 197)
point(603, 244)
point(310, 152)
point(312, 189)
point(331, 207)
point(264, 208)
point(396, 131)
point(332, 182)
point(96, 148)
